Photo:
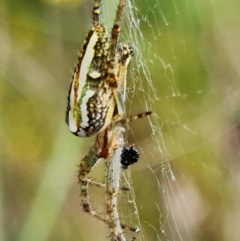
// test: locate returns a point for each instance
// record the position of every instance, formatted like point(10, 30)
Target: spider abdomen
point(90, 99)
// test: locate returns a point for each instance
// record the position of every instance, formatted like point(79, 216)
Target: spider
point(96, 97)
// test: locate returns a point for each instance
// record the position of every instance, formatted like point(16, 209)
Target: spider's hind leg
point(85, 167)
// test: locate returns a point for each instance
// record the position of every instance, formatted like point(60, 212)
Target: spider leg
point(97, 184)
point(118, 77)
point(120, 105)
point(113, 46)
point(116, 28)
point(113, 169)
point(125, 53)
point(103, 185)
point(85, 167)
point(96, 12)
point(136, 117)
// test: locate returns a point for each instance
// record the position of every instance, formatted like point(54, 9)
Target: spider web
point(185, 70)
point(156, 157)
point(171, 76)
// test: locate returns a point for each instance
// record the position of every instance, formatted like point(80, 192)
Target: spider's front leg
point(117, 77)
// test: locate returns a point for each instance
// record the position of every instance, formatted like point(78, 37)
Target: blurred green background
point(187, 182)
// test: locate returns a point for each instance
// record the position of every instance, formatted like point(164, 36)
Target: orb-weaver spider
point(96, 100)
